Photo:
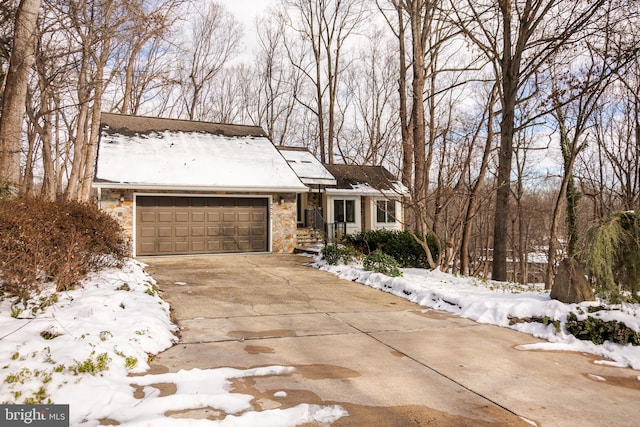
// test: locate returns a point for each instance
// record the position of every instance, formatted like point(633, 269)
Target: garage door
point(171, 225)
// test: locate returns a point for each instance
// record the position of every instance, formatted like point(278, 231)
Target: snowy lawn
point(80, 347)
point(502, 304)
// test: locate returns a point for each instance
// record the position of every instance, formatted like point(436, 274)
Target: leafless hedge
point(44, 241)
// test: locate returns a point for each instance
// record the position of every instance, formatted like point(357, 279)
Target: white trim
point(395, 225)
point(152, 187)
point(364, 193)
point(318, 181)
point(240, 196)
point(352, 227)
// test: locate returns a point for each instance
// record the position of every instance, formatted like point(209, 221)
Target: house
point(365, 197)
point(184, 187)
point(345, 198)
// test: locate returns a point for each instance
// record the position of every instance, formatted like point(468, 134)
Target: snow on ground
point(81, 349)
point(499, 304)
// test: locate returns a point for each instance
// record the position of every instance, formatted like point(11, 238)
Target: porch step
point(307, 238)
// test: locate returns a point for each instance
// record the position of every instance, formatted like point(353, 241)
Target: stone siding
point(122, 211)
point(284, 225)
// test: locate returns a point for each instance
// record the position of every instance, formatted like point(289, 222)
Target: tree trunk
point(510, 67)
point(15, 89)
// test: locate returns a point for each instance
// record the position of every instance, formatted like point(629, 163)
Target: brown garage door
point(171, 225)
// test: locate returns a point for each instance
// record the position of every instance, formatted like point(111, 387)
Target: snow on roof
point(198, 159)
point(306, 166)
point(366, 180)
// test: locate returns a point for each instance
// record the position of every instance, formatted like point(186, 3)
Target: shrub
point(598, 331)
point(401, 245)
point(612, 255)
point(335, 254)
point(54, 241)
point(381, 263)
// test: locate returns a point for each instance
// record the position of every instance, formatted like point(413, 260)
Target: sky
point(44, 352)
point(246, 12)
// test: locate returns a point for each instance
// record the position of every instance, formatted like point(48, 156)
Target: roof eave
point(230, 189)
point(318, 181)
point(360, 192)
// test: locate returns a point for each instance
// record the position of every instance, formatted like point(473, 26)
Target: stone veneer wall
point(284, 225)
point(121, 211)
point(282, 211)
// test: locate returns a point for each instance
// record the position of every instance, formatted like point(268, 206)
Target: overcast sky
point(246, 11)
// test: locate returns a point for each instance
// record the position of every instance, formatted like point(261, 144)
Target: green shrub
point(381, 263)
point(54, 241)
point(612, 256)
point(335, 254)
point(598, 331)
point(401, 245)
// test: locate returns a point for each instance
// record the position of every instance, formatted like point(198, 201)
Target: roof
point(365, 179)
point(306, 166)
point(155, 153)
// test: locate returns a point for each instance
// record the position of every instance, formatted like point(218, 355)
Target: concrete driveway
point(387, 361)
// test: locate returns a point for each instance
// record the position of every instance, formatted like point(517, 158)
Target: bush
point(335, 254)
point(612, 256)
point(598, 331)
point(54, 241)
point(401, 245)
point(381, 263)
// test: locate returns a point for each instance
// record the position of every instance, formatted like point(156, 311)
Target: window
point(344, 210)
point(385, 211)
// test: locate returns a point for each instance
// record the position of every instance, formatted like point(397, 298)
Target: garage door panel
point(182, 247)
point(148, 231)
point(258, 230)
point(148, 217)
point(182, 216)
point(214, 246)
point(256, 244)
point(164, 231)
point(181, 202)
point(229, 245)
point(164, 216)
point(147, 248)
point(198, 246)
point(244, 245)
point(190, 225)
point(181, 231)
point(198, 202)
point(165, 247)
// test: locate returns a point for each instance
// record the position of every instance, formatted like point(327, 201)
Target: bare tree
point(371, 134)
point(518, 37)
point(478, 183)
point(147, 32)
point(322, 28)
point(212, 39)
point(278, 82)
